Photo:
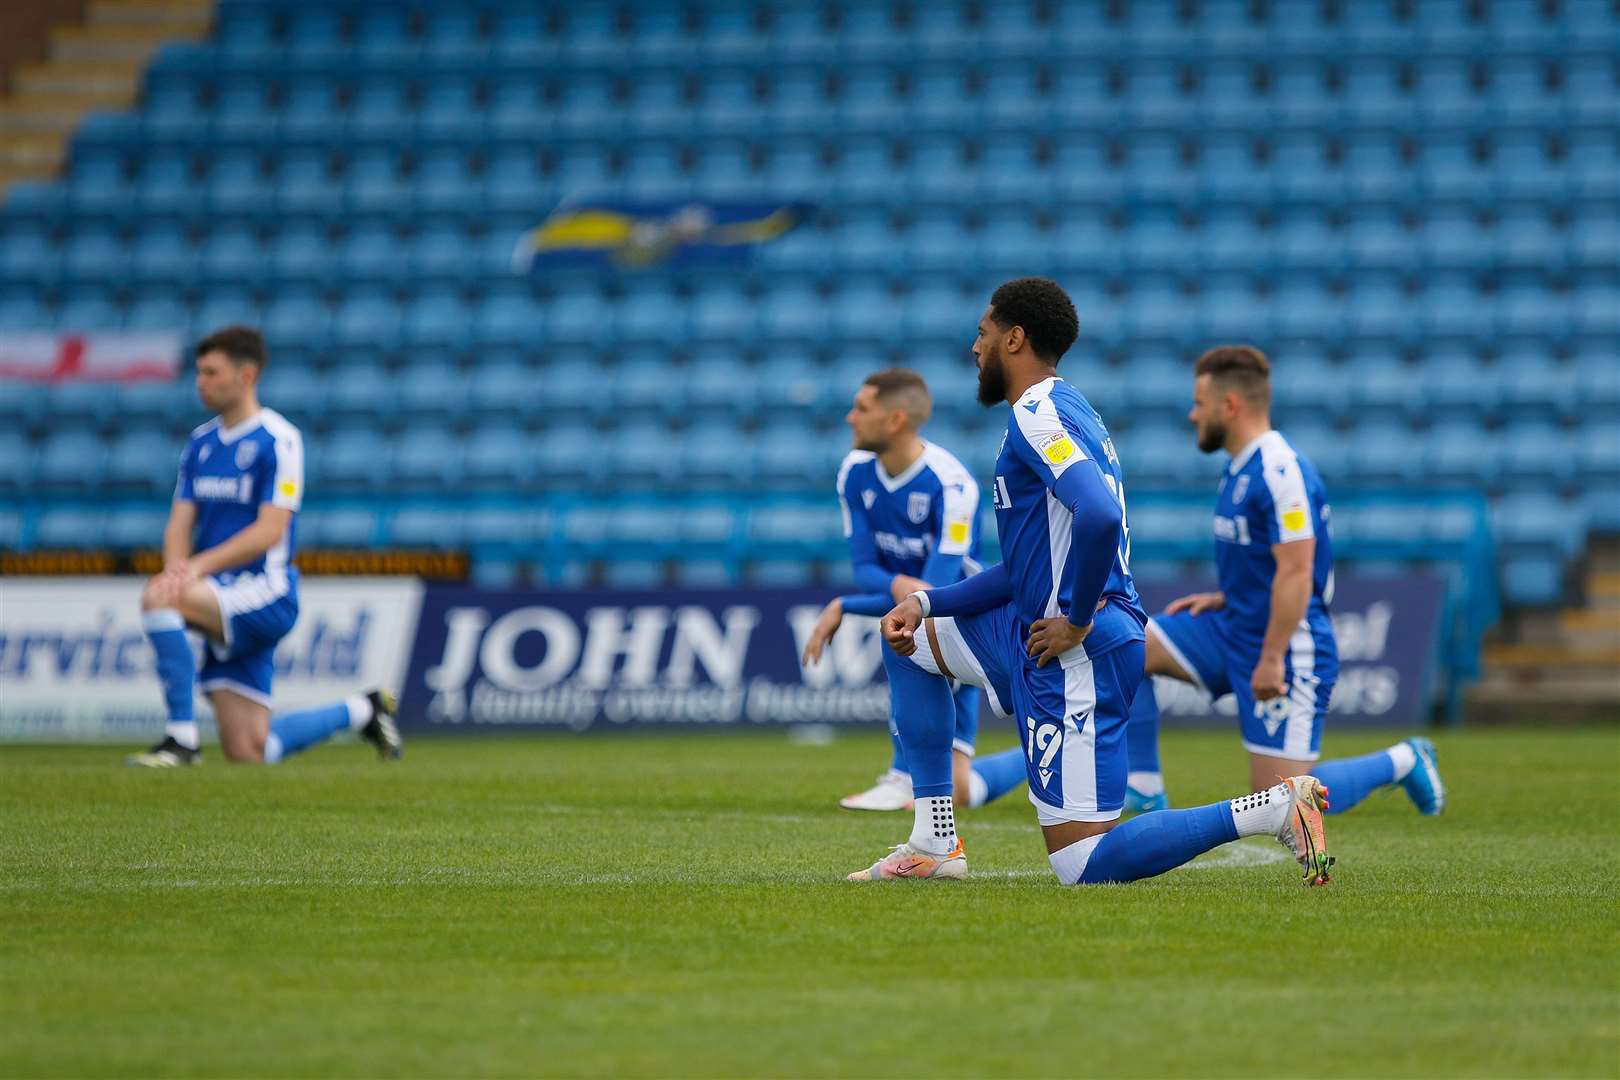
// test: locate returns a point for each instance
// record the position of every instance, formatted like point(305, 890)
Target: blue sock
point(1000, 772)
point(1142, 730)
point(1153, 843)
point(297, 731)
point(925, 718)
point(898, 761)
point(1350, 780)
point(176, 667)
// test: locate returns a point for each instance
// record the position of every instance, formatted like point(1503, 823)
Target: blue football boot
point(1423, 784)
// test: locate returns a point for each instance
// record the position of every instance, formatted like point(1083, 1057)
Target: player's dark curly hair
point(243, 344)
point(1043, 309)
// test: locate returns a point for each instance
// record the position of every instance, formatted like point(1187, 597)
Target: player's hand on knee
point(1051, 638)
point(832, 616)
point(899, 626)
point(1197, 603)
point(1267, 682)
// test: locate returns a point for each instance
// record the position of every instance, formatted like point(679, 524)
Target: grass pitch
point(651, 906)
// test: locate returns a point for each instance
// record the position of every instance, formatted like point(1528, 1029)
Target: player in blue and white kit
point(1265, 637)
point(911, 515)
point(229, 574)
point(1054, 634)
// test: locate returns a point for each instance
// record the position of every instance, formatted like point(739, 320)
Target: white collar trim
point(1241, 458)
point(895, 483)
point(229, 435)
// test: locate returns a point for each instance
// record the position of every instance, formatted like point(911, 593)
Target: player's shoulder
point(202, 431)
point(947, 467)
point(855, 462)
point(278, 427)
point(1273, 453)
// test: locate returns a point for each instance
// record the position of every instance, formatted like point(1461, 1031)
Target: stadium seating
point(1415, 211)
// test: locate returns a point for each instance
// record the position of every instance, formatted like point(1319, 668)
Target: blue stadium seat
point(69, 528)
point(804, 532)
point(297, 393)
point(350, 460)
point(143, 461)
point(505, 389)
point(1533, 581)
point(427, 458)
point(364, 395)
point(132, 528)
point(437, 319)
point(432, 392)
point(380, 113)
point(17, 457)
point(1538, 457)
point(337, 527)
point(72, 461)
point(572, 455)
point(428, 527)
point(502, 458)
point(367, 322)
point(233, 255)
point(1458, 456)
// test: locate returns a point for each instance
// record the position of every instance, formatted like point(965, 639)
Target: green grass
point(650, 906)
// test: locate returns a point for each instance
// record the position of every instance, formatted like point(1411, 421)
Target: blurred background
point(1414, 208)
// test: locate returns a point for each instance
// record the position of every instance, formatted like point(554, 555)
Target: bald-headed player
point(1265, 637)
point(911, 513)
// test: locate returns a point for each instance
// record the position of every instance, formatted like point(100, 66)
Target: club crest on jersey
point(1241, 488)
point(1056, 449)
point(246, 453)
point(917, 506)
point(867, 497)
point(204, 454)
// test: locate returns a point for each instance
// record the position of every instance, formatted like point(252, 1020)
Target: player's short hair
point(243, 344)
point(1242, 369)
point(902, 388)
point(1043, 309)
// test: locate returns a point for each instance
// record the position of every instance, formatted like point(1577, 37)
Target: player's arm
point(177, 533)
point(869, 576)
point(1289, 526)
point(989, 588)
point(1098, 524)
point(1290, 597)
point(246, 546)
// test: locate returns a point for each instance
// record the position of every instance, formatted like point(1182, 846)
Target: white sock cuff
point(1070, 862)
point(183, 732)
point(1261, 813)
point(978, 790)
point(360, 711)
point(160, 619)
point(272, 749)
point(1405, 759)
point(1147, 783)
point(934, 825)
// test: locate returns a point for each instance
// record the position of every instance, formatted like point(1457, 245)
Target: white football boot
point(891, 792)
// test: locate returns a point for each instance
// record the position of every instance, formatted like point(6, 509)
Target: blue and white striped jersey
point(1054, 430)
point(229, 472)
point(1269, 494)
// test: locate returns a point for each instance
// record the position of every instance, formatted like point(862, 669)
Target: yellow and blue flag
point(632, 236)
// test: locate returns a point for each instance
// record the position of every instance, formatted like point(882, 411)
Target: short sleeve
point(182, 487)
point(1289, 516)
point(285, 467)
point(959, 514)
point(1043, 441)
point(845, 506)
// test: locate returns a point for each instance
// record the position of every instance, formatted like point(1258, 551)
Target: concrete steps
point(93, 66)
point(1563, 664)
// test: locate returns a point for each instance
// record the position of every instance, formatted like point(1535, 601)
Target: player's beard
point(992, 377)
point(1211, 437)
